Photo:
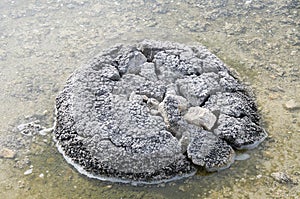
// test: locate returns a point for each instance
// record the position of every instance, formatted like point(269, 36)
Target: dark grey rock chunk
point(196, 89)
point(207, 150)
point(210, 63)
point(127, 116)
point(235, 104)
point(240, 133)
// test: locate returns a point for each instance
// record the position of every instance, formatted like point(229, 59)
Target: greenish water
point(43, 42)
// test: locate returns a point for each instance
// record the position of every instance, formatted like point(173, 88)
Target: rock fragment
point(28, 172)
point(7, 153)
point(242, 156)
point(240, 133)
point(30, 128)
point(291, 105)
point(283, 178)
point(236, 104)
point(201, 117)
point(207, 150)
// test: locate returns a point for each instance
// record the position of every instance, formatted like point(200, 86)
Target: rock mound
point(150, 112)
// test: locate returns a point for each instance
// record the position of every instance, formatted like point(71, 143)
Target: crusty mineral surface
point(154, 112)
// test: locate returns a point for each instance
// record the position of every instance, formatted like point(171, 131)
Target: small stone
point(184, 141)
point(259, 176)
point(200, 117)
point(8, 186)
point(28, 172)
point(248, 2)
point(296, 173)
point(45, 131)
point(30, 128)
point(283, 178)
point(22, 162)
point(45, 112)
point(291, 105)
point(181, 188)
point(135, 97)
point(21, 127)
point(243, 156)
point(161, 185)
point(153, 103)
point(243, 180)
point(41, 175)
point(293, 53)
point(21, 184)
point(7, 153)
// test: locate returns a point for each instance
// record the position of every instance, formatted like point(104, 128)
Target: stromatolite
point(150, 112)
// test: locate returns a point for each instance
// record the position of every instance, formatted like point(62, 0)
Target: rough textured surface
point(121, 116)
point(206, 149)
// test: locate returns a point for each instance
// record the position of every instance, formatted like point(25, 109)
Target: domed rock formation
point(154, 112)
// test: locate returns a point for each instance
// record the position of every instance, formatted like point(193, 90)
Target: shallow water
point(43, 42)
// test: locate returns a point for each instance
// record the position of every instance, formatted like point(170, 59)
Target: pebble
point(22, 163)
point(276, 89)
point(21, 184)
point(7, 153)
point(28, 172)
point(30, 128)
point(45, 112)
point(45, 131)
point(161, 185)
point(182, 188)
point(41, 175)
point(293, 53)
point(248, 2)
point(283, 178)
point(243, 156)
point(259, 176)
point(8, 186)
point(21, 127)
point(291, 105)
point(243, 180)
